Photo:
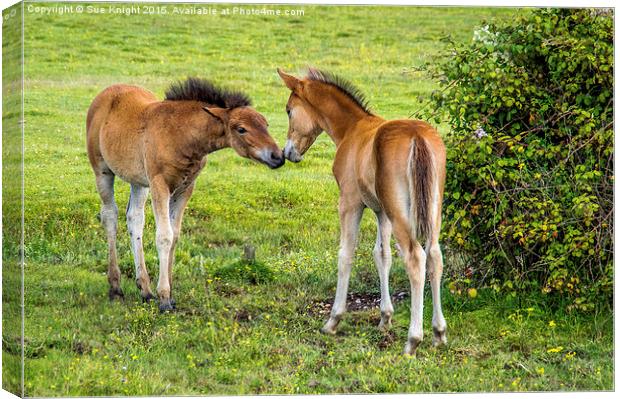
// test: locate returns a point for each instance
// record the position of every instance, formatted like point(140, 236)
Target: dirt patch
point(388, 338)
point(224, 289)
point(355, 303)
point(243, 316)
point(80, 347)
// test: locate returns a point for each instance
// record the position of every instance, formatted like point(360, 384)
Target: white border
point(484, 3)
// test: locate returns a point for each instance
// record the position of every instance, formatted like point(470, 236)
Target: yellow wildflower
point(569, 356)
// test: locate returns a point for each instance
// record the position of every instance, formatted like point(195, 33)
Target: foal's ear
point(220, 114)
point(289, 80)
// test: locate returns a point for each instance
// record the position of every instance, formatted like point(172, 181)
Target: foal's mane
point(343, 85)
point(196, 89)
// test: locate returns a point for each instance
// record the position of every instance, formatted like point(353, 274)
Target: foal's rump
point(113, 126)
point(410, 171)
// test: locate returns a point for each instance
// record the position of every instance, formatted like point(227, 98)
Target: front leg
point(178, 202)
point(135, 226)
point(164, 237)
point(350, 216)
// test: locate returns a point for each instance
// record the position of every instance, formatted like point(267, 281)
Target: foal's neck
point(214, 139)
point(205, 139)
point(339, 114)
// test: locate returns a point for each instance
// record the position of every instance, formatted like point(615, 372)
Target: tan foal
point(162, 146)
point(396, 168)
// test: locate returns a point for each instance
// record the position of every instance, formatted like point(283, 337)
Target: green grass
point(233, 332)
point(11, 198)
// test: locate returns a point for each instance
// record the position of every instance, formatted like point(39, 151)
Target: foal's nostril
point(273, 159)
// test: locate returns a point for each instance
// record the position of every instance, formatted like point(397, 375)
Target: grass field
point(231, 335)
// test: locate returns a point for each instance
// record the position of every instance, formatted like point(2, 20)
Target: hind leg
point(414, 259)
point(383, 260)
point(395, 199)
point(434, 263)
point(109, 219)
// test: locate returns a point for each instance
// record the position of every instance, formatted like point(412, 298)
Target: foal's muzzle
point(273, 159)
point(290, 152)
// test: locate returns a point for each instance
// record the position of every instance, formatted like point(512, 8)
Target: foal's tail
point(422, 180)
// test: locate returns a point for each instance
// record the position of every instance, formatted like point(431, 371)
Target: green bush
point(529, 191)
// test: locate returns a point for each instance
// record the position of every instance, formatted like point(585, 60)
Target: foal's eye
point(241, 130)
point(288, 112)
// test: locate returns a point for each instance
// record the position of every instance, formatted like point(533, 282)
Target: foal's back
point(113, 126)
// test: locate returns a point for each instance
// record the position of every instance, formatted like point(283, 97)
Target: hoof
point(386, 321)
point(167, 305)
point(385, 325)
point(115, 293)
point(328, 331)
point(147, 298)
point(411, 346)
point(439, 337)
point(330, 327)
